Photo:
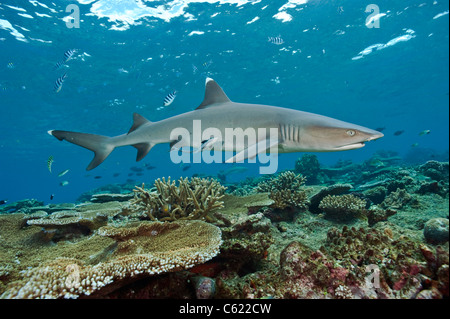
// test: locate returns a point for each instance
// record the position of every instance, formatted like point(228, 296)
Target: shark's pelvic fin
point(143, 149)
point(213, 95)
point(138, 121)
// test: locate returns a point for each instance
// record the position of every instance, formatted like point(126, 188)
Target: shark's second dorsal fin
point(138, 120)
point(213, 95)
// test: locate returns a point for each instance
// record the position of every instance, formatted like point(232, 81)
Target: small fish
point(149, 167)
point(185, 168)
point(276, 40)
point(415, 145)
point(376, 163)
point(50, 163)
point(59, 82)
point(207, 64)
point(10, 65)
point(68, 54)
point(426, 132)
point(194, 69)
point(3, 201)
point(116, 174)
point(166, 208)
point(63, 173)
point(170, 98)
point(398, 133)
point(380, 129)
point(52, 196)
point(64, 183)
point(97, 177)
point(136, 169)
point(59, 65)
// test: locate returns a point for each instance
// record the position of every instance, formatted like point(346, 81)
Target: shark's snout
point(375, 135)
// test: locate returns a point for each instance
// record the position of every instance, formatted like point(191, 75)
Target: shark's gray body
point(297, 131)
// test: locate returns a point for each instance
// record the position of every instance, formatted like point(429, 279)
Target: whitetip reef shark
point(297, 131)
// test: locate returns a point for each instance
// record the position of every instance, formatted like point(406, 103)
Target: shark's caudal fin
point(100, 145)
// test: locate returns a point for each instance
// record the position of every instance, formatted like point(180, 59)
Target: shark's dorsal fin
point(213, 95)
point(138, 120)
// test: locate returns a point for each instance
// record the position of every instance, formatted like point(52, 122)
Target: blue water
point(130, 56)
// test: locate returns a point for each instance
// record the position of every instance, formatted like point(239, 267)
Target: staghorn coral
point(286, 190)
point(343, 207)
point(145, 249)
point(190, 199)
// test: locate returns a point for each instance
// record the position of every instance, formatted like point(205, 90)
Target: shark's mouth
point(353, 146)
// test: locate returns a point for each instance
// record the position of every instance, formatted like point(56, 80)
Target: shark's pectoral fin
point(143, 149)
point(253, 150)
point(213, 95)
point(138, 121)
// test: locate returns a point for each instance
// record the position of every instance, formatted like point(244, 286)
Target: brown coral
point(190, 199)
point(286, 190)
point(145, 249)
point(343, 207)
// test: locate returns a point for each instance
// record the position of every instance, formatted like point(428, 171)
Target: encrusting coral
point(190, 199)
point(286, 190)
point(146, 248)
point(343, 207)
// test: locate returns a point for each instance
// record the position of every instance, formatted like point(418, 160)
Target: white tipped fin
point(50, 132)
point(213, 95)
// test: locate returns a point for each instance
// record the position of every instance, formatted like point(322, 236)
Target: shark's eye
point(351, 132)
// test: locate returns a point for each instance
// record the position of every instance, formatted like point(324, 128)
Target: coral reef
point(286, 190)
point(190, 199)
point(378, 229)
point(308, 166)
point(342, 207)
point(337, 189)
point(145, 249)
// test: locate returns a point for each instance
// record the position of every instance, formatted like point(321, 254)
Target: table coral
point(145, 249)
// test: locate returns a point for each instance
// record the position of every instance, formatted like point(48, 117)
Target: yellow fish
point(50, 163)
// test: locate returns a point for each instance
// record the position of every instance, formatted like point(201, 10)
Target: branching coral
point(286, 190)
point(343, 207)
point(190, 199)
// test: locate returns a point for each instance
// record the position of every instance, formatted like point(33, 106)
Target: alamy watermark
point(73, 19)
point(373, 276)
point(208, 145)
point(373, 19)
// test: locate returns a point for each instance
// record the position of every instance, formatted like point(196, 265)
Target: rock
point(205, 287)
point(436, 230)
point(104, 198)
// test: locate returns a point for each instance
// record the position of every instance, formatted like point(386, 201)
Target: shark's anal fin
point(138, 121)
point(143, 149)
point(253, 150)
point(213, 95)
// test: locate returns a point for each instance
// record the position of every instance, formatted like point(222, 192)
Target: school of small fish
point(59, 81)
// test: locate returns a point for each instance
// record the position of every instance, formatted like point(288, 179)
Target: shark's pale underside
point(297, 131)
